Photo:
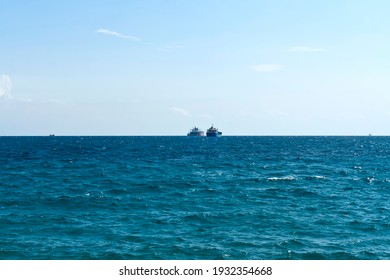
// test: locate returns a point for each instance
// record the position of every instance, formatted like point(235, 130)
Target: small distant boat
point(213, 132)
point(51, 135)
point(195, 132)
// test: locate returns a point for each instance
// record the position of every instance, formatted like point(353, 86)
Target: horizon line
point(174, 135)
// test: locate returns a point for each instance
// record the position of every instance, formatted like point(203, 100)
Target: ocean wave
point(316, 177)
point(284, 178)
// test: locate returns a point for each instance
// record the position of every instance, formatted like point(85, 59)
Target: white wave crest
point(285, 178)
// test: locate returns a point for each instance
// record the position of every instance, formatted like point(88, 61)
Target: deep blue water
point(195, 198)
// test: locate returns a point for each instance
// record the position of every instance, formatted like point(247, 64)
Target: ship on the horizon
point(195, 132)
point(213, 132)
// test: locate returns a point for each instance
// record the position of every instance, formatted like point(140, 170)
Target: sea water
point(195, 198)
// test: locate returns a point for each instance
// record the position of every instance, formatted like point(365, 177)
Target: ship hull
point(214, 134)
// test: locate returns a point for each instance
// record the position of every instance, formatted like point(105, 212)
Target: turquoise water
point(195, 198)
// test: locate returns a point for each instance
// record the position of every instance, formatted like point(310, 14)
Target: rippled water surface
point(194, 198)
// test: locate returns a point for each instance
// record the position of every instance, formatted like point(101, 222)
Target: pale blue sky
point(260, 67)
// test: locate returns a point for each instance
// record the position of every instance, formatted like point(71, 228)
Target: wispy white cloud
point(267, 67)
point(5, 86)
point(306, 49)
point(117, 34)
point(180, 111)
point(170, 47)
point(26, 100)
